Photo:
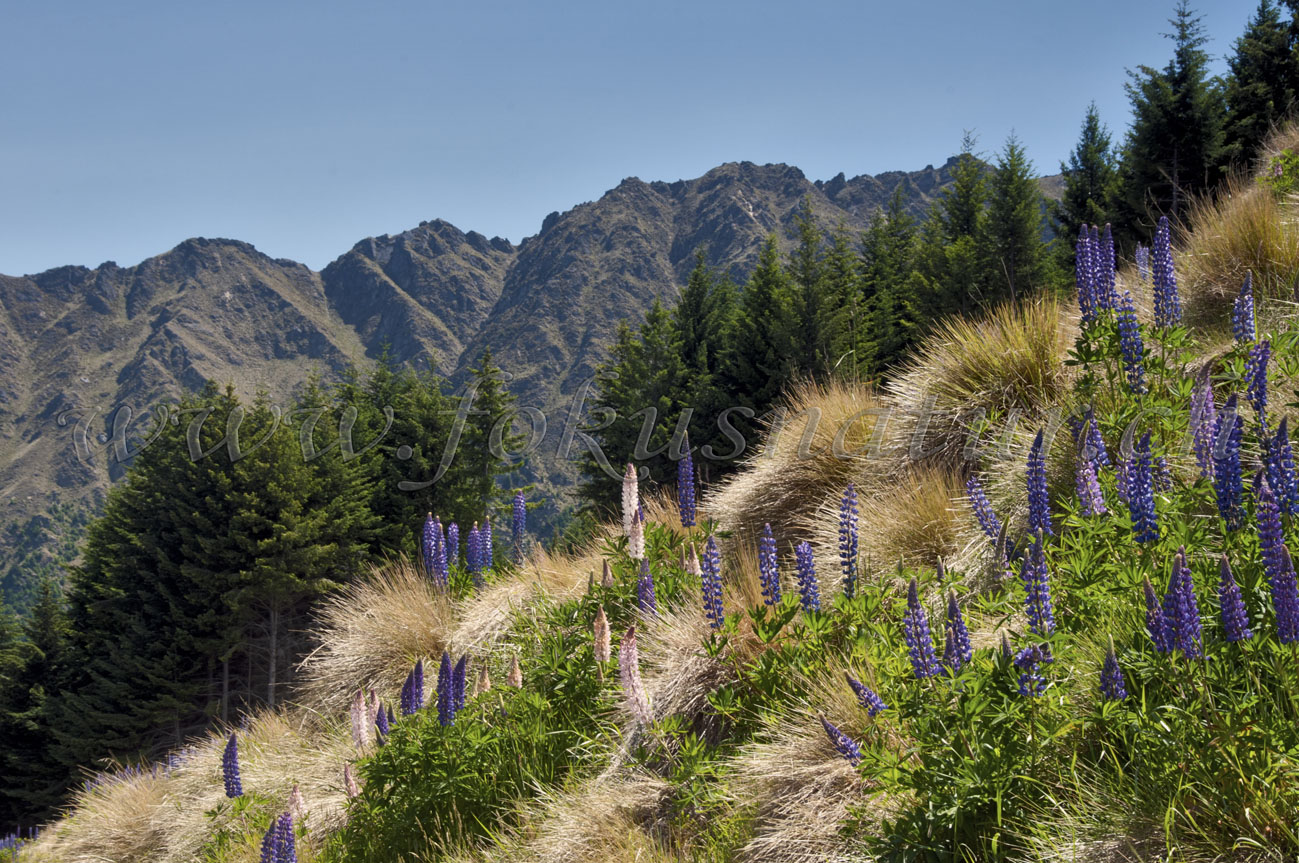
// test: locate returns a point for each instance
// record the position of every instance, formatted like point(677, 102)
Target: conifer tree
point(1174, 146)
point(894, 297)
point(1090, 178)
point(844, 317)
point(807, 274)
point(1014, 246)
point(705, 320)
point(1262, 83)
point(766, 352)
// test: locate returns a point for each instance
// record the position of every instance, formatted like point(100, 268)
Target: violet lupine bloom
point(1227, 483)
point(1184, 621)
point(958, 637)
point(809, 591)
point(1256, 379)
point(1235, 619)
point(710, 577)
point(1141, 493)
point(519, 526)
point(1156, 622)
point(1037, 589)
point(1168, 307)
point(1094, 447)
point(1277, 563)
point(441, 564)
point(1112, 688)
point(1105, 261)
point(1280, 469)
point(1085, 277)
point(915, 629)
point(453, 544)
point(848, 540)
point(446, 692)
point(843, 744)
point(1039, 506)
point(381, 725)
point(412, 691)
point(868, 698)
point(1089, 489)
point(686, 487)
point(1028, 661)
point(458, 684)
point(285, 852)
point(768, 567)
point(1142, 256)
point(474, 553)
point(982, 507)
point(230, 768)
point(429, 544)
point(645, 600)
point(1204, 417)
point(1243, 326)
point(1130, 345)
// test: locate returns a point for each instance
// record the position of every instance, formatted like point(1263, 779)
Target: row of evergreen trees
point(193, 595)
point(1188, 130)
point(838, 305)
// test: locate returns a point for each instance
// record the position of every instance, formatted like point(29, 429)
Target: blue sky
point(302, 128)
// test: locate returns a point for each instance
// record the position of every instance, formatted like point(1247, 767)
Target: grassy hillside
point(1082, 694)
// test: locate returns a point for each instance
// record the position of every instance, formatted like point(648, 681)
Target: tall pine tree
point(1090, 178)
point(1262, 83)
point(1015, 250)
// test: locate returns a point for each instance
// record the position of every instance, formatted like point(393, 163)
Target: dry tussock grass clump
point(1012, 358)
point(612, 819)
point(161, 818)
point(677, 674)
point(918, 520)
point(830, 436)
point(372, 632)
point(799, 788)
point(1244, 228)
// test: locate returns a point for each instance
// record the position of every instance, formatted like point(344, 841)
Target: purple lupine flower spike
point(1031, 681)
point(441, 567)
point(474, 554)
point(915, 629)
point(1285, 599)
point(710, 577)
point(1112, 687)
point(285, 852)
point(1168, 306)
point(381, 725)
point(1235, 619)
point(453, 544)
point(1089, 489)
point(1243, 326)
point(1106, 266)
point(1039, 506)
point(1227, 481)
point(428, 546)
point(982, 507)
point(1130, 345)
point(809, 591)
point(1141, 493)
point(957, 635)
point(408, 705)
point(1184, 622)
point(1204, 417)
point(519, 526)
point(270, 853)
point(1281, 470)
point(1037, 589)
point(485, 543)
point(446, 692)
point(458, 684)
point(1094, 447)
point(868, 698)
point(1156, 623)
point(686, 486)
point(1256, 379)
point(230, 768)
point(1084, 277)
point(768, 567)
point(417, 685)
point(848, 540)
point(1276, 562)
point(645, 600)
point(843, 744)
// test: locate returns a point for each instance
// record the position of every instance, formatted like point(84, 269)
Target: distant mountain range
point(77, 344)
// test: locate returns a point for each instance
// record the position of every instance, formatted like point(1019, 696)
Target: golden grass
point(372, 633)
point(161, 818)
point(830, 437)
point(1011, 358)
point(1243, 228)
point(916, 520)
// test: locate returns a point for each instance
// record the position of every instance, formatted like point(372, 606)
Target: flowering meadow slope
point(1034, 601)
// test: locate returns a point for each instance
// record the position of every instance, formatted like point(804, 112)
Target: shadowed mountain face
point(80, 348)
